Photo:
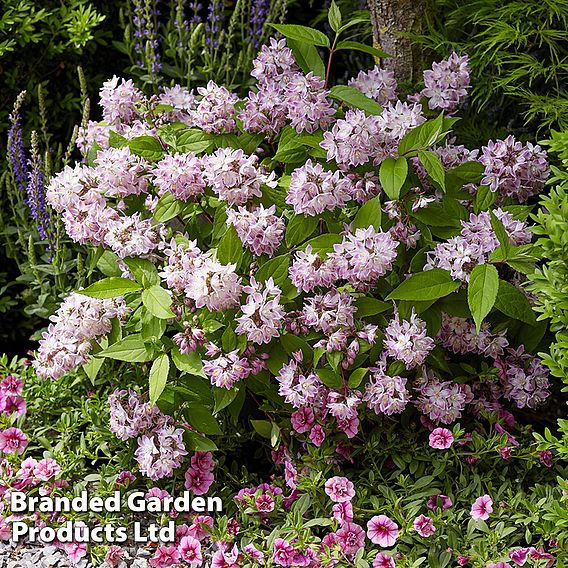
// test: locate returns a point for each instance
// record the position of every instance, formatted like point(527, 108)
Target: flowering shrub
point(335, 264)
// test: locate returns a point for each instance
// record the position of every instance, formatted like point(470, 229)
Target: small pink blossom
point(441, 439)
point(442, 501)
point(424, 526)
point(75, 551)
point(46, 469)
point(302, 420)
point(264, 504)
point(463, 560)
point(382, 531)
point(317, 436)
point(498, 565)
point(351, 538)
point(342, 512)
point(482, 508)
point(383, 560)
point(254, 553)
point(339, 489)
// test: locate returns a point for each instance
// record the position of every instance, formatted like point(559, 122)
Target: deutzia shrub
point(329, 256)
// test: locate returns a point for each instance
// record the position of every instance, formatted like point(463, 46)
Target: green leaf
point(367, 306)
point(224, 398)
point(277, 268)
point(392, 176)
point(201, 419)
point(355, 98)
point(300, 228)
point(193, 140)
point(501, 234)
point(369, 215)
point(468, 172)
point(262, 427)
point(428, 285)
point(147, 147)
point(143, 270)
point(484, 199)
point(334, 17)
point(167, 208)
point(188, 363)
point(324, 243)
point(197, 443)
point(362, 47)
point(159, 376)
point(513, 303)
point(482, 292)
point(158, 301)
point(230, 248)
point(108, 265)
point(422, 137)
point(330, 378)
point(357, 377)
point(151, 325)
point(292, 343)
point(433, 166)
point(92, 368)
point(131, 349)
point(302, 33)
point(307, 57)
point(110, 288)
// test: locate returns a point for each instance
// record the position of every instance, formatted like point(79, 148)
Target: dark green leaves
point(303, 34)
point(334, 17)
point(307, 57)
point(355, 45)
point(147, 147)
point(230, 248)
point(514, 303)
point(131, 349)
point(355, 98)
point(110, 288)
point(193, 140)
point(482, 292)
point(300, 228)
point(277, 268)
point(428, 285)
point(157, 301)
point(392, 176)
point(422, 137)
point(330, 378)
point(433, 166)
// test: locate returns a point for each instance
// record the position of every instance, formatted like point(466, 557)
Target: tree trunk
point(391, 19)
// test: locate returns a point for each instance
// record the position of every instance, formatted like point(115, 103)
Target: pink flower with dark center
point(520, 555)
point(264, 504)
point(545, 458)
point(124, 477)
point(164, 557)
point(351, 538)
point(254, 553)
point(11, 386)
point(463, 560)
point(441, 439)
point(198, 481)
point(424, 526)
point(13, 404)
point(382, 531)
point(339, 489)
point(13, 440)
point(442, 501)
point(482, 508)
point(539, 554)
point(75, 551)
point(383, 560)
point(498, 565)
point(190, 550)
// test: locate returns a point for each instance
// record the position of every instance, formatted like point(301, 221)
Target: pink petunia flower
point(441, 439)
point(339, 489)
point(382, 531)
point(75, 551)
point(383, 560)
point(442, 501)
point(351, 538)
point(190, 550)
point(342, 512)
point(164, 557)
point(317, 436)
point(46, 469)
point(520, 555)
point(13, 440)
point(463, 560)
point(424, 526)
point(482, 508)
point(498, 565)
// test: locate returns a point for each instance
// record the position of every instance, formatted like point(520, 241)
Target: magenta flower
point(190, 550)
point(302, 420)
point(442, 501)
point(339, 489)
point(46, 469)
point(441, 439)
point(382, 531)
point(342, 512)
point(383, 560)
point(164, 557)
point(351, 538)
point(13, 440)
point(424, 526)
point(463, 560)
point(114, 555)
point(520, 555)
point(317, 435)
point(264, 504)
point(482, 508)
point(498, 565)
point(75, 551)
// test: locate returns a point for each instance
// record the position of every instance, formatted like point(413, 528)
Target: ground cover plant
point(318, 277)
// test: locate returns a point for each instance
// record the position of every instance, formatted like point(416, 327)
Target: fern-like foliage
point(518, 53)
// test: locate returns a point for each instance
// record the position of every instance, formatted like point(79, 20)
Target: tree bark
point(391, 19)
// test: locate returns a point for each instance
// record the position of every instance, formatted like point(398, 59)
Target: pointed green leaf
point(369, 215)
point(392, 176)
point(159, 376)
point(482, 292)
point(513, 303)
point(158, 301)
point(355, 98)
point(110, 288)
point(424, 286)
point(302, 33)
